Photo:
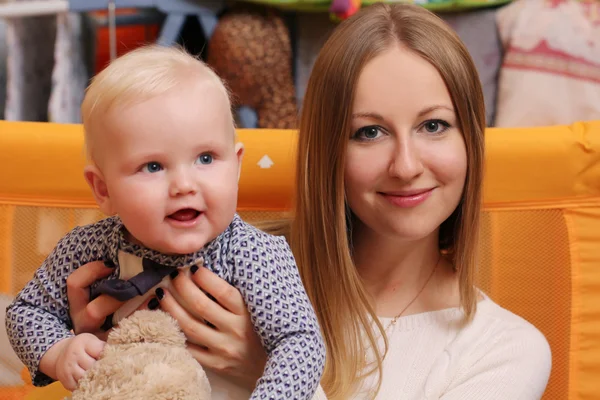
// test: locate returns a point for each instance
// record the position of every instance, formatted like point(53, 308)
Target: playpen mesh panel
point(28, 234)
point(526, 268)
point(525, 264)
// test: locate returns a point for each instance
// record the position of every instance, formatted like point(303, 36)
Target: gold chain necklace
point(395, 319)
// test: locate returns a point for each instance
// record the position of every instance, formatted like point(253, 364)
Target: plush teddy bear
point(145, 358)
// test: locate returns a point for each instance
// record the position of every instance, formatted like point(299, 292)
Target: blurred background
point(539, 63)
point(538, 60)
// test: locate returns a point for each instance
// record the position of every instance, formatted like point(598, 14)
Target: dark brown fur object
point(250, 49)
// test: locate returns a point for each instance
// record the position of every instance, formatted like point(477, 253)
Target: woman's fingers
point(195, 331)
point(93, 316)
point(202, 355)
point(89, 273)
point(216, 362)
point(101, 307)
point(198, 304)
point(207, 358)
point(89, 316)
point(146, 304)
point(80, 280)
point(229, 345)
point(225, 294)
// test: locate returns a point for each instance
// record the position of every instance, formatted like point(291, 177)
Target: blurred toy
point(250, 49)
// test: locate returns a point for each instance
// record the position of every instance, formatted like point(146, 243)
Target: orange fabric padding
point(540, 242)
point(6, 224)
point(17, 393)
point(558, 172)
point(46, 166)
point(542, 165)
point(54, 391)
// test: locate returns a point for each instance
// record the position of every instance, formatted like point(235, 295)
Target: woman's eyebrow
point(369, 115)
point(427, 110)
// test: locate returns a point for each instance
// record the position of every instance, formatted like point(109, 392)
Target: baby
point(164, 163)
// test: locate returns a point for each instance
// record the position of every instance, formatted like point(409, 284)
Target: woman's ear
point(239, 153)
point(95, 180)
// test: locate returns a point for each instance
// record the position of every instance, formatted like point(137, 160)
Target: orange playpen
point(540, 243)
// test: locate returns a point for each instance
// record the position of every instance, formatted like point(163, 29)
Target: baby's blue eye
point(152, 167)
point(205, 159)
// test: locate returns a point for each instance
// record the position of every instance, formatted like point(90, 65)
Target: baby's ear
point(95, 179)
point(239, 153)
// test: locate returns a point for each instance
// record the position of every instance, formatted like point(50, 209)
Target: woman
point(385, 229)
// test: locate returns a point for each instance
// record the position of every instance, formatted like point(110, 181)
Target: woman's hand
point(88, 316)
point(228, 344)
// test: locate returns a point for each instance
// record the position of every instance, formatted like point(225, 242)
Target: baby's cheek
point(221, 203)
point(223, 195)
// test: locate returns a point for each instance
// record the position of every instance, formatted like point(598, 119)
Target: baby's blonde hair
point(139, 75)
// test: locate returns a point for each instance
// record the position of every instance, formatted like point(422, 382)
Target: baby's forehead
point(205, 77)
point(194, 125)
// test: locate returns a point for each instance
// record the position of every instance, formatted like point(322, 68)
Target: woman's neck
point(394, 272)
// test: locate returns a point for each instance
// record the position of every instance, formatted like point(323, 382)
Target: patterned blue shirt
point(259, 265)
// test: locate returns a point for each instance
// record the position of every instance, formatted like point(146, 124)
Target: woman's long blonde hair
point(319, 230)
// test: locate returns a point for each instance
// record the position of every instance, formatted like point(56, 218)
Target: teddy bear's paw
point(145, 326)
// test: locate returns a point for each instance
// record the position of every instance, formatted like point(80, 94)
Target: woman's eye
point(205, 159)
point(152, 167)
point(435, 126)
point(367, 133)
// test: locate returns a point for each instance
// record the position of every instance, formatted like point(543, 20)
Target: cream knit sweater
point(498, 356)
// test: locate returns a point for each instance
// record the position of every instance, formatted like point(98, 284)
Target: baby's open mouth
point(185, 214)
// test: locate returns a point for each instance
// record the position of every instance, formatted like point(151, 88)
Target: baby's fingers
point(93, 347)
point(83, 364)
point(78, 373)
point(70, 382)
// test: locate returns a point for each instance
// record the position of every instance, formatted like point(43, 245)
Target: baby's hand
point(76, 357)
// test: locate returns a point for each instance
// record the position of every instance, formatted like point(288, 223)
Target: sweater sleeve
point(516, 366)
point(282, 315)
point(39, 317)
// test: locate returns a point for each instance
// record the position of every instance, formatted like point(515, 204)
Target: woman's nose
point(406, 163)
